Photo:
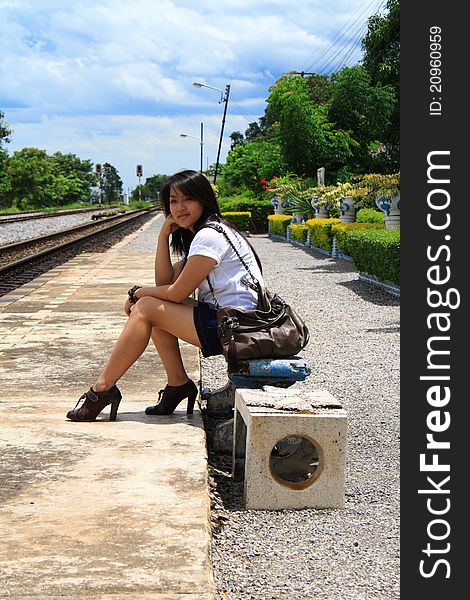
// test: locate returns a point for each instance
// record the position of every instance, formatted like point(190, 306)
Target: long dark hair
point(194, 185)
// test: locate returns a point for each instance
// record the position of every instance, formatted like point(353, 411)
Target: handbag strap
point(254, 283)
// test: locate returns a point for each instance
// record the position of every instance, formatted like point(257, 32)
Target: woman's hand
point(128, 307)
point(169, 226)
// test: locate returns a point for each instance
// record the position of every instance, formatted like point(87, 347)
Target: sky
point(112, 80)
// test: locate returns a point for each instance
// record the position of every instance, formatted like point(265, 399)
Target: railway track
point(22, 261)
point(14, 218)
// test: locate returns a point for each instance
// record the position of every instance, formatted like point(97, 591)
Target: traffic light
point(98, 170)
point(138, 170)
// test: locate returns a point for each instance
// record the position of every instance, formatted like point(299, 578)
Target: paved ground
point(95, 510)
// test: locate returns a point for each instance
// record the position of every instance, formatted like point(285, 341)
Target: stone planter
point(391, 208)
point(280, 206)
point(321, 212)
point(298, 217)
point(348, 212)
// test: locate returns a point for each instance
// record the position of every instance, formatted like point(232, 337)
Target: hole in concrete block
point(295, 461)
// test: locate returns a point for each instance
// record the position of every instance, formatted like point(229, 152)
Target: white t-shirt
point(226, 277)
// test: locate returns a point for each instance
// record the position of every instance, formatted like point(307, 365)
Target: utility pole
point(202, 148)
point(201, 142)
point(225, 101)
point(223, 98)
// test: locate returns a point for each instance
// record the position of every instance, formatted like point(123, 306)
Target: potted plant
point(325, 197)
point(385, 192)
point(347, 202)
point(281, 189)
point(302, 204)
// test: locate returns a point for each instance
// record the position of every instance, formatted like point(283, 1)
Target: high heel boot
point(171, 396)
point(93, 404)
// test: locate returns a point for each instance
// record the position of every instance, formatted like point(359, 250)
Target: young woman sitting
point(166, 313)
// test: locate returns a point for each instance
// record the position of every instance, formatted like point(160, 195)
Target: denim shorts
point(205, 321)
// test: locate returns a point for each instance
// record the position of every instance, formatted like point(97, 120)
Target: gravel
point(25, 230)
point(348, 554)
point(354, 351)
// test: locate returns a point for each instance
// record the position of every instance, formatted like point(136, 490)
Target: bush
point(321, 234)
point(249, 162)
point(370, 215)
point(342, 230)
point(377, 252)
point(136, 204)
point(279, 224)
point(299, 232)
point(259, 209)
point(241, 220)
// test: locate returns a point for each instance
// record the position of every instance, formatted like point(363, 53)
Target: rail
point(20, 253)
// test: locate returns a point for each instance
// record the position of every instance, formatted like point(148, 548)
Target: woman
point(166, 313)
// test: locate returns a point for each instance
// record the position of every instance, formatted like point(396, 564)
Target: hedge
point(321, 234)
point(298, 231)
point(370, 215)
point(376, 252)
point(241, 220)
point(279, 223)
point(259, 209)
point(342, 230)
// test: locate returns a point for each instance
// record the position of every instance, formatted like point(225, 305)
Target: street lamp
point(201, 141)
point(223, 98)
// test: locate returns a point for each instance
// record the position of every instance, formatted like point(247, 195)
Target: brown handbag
point(271, 330)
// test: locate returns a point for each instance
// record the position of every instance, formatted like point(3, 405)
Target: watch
point(131, 293)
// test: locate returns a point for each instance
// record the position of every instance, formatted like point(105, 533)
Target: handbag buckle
point(228, 323)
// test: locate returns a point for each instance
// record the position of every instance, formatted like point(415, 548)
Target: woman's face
point(185, 211)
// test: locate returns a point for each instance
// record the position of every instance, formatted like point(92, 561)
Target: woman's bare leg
point(169, 351)
point(149, 313)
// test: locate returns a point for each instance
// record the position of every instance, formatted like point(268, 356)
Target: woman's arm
point(195, 271)
point(165, 272)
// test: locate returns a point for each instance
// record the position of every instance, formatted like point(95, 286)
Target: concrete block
point(222, 441)
point(290, 459)
point(219, 402)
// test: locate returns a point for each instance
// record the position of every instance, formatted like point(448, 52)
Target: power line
point(353, 29)
point(247, 117)
point(339, 59)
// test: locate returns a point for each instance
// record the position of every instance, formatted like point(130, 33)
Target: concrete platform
point(95, 510)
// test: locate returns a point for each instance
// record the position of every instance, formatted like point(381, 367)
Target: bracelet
point(131, 293)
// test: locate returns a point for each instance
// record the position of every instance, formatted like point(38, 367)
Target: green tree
point(30, 172)
point(320, 88)
point(253, 132)
point(111, 184)
point(152, 187)
point(366, 111)
point(308, 139)
point(237, 138)
point(78, 174)
point(138, 193)
point(381, 46)
point(5, 133)
point(250, 162)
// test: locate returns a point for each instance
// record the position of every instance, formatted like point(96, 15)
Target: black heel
point(93, 404)
point(171, 396)
point(191, 401)
point(114, 410)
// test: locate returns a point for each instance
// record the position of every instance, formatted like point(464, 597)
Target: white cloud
point(111, 80)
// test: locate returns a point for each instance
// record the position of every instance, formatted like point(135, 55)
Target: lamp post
point(223, 98)
point(201, 142)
